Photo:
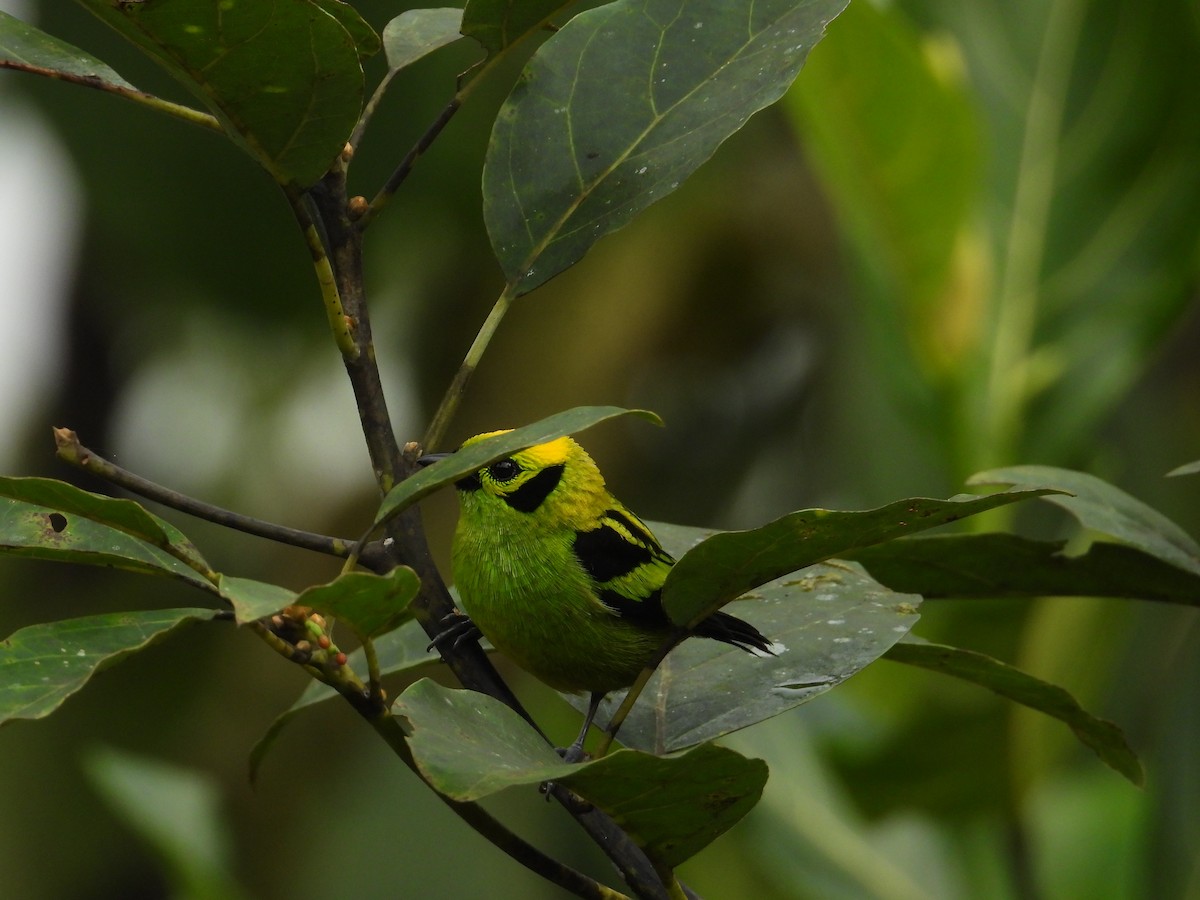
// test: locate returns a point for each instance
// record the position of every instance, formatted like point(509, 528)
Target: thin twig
point(70, 450)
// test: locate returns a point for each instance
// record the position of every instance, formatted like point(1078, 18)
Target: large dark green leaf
point(1101, 736)
point(616, 109)
point(283, 77)
point(828, 623)
point(449, 470)
point(728, 564)
point(1102, 507)
point(1007, 565)
point(498, 24)
point(43, 665)
point(469, 745)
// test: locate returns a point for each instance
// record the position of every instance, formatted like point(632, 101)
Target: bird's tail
point(721, 626)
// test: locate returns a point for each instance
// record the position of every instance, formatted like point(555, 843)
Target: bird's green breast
point(527, 592)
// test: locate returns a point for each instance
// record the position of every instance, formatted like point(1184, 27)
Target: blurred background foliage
point(968, 237)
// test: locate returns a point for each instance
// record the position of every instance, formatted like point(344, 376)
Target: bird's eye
point(504, 470)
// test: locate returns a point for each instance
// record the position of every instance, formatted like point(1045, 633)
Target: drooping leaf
point(417, 33)
point(728, 564)
point(1105, 508)
point(469, 746)
point(499, 24)
point(1101, 736)
point(617, 108)
point(400, 652)
point(449, 470)
point(178, 812)
point(254, 599)
point(827, 622)
point(370, 604)
point(1007, 565)
point(36, 531)
point(43, 665)
point(24, 47)
point(283, 77)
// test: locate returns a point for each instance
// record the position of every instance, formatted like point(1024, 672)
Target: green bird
point(562, 578)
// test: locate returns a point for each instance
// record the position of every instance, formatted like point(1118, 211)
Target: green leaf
point(254, 599)
point(464, 462)
point(365, 38)
point(828, 623)
point(399, 652)
point(1192, 468)
point(499, 24)
point(1007, 565)
point(882, 122)
point(728, 564)
point(1101, 736)
point(417, 33)
point(37, 531)
point(24, 47)
point(283, 77)
point(469, 745)
point(1099, 506)
point(178, 812)
point(616, 109)
point(370, 604)
point(43, 665)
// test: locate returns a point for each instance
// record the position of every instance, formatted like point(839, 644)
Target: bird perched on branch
point(562, 578)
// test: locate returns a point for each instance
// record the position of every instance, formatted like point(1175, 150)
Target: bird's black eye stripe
point(530, 495)
point(504, 470)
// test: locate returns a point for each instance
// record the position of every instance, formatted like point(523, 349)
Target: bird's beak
point(430, 458)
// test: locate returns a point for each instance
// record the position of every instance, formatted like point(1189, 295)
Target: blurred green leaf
point(178, 812)
point(498, 24)
point(418, 32)
point(469, 745)
point(254, 599)
point(464, 462)
point(1192, 468)
point(828, 623)
point(370, 604)
point(1101, 736)
point(728, 564)
point(42, 665)
point(617, 108)
point(402, 651)
point(284, 78)
point(1007, 565)
point(883, 117)
point(24, 47)
point(1100, 506)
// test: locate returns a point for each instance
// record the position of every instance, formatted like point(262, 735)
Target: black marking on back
point(529, 496)
point(647, 611)
point(606, 554)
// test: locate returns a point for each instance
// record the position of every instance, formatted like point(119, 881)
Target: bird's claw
point(457, 630)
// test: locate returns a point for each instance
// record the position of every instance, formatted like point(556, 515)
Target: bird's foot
point(457, 629)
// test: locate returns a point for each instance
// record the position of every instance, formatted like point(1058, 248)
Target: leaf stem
point(158, 104)
point(458, 387)
point(340, 325)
